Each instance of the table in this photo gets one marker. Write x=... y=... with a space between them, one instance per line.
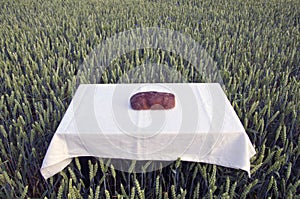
x=99 y=122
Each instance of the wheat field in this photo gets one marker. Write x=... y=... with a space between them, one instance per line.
x=255 y=45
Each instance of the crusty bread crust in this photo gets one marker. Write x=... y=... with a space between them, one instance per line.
x=152 y=100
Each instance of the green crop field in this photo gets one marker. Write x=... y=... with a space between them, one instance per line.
x=254 y=44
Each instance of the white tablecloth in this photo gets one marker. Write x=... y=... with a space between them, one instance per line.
x=99 y=121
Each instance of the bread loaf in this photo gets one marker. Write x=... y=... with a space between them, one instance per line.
x=152 y=100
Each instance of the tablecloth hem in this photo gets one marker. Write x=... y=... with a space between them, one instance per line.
x=222 y=163
x=51 y=170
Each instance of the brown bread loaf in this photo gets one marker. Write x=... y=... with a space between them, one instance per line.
x=152 y=100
